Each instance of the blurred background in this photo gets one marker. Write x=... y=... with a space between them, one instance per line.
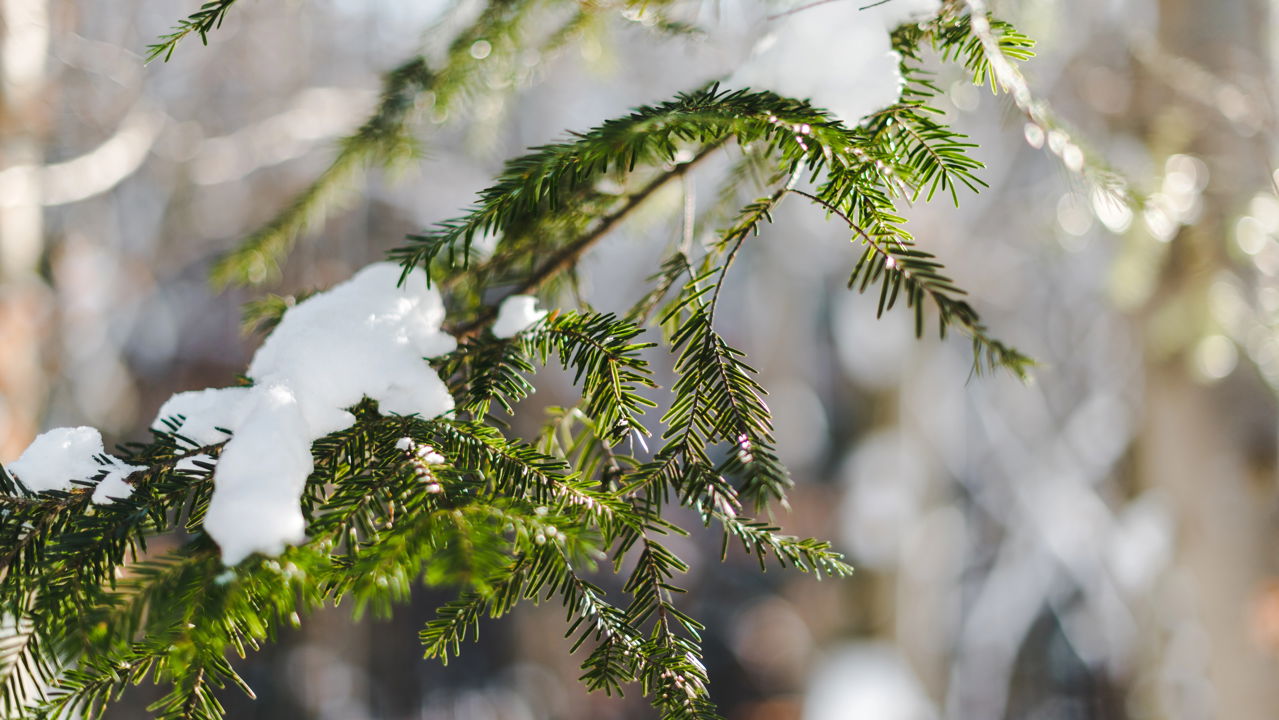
x=1099 y=543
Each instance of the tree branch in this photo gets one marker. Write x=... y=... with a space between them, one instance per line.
x=568 y=256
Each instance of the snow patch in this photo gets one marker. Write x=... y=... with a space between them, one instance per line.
x=517 y=314
x=208 y=413
x=61 y=457
x=837 y=54
x=58 y=457
x=363 y=338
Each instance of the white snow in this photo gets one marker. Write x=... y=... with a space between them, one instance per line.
x=57 y=459
x=205 y=411
x=363 y=338
x=260 y=477
x=837 y=54
x=517 y=314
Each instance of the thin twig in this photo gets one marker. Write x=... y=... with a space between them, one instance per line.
x=775 y=200
x=844 y=216
x=723 y=276
x=188 y=708
x=570 y=254
x=690 y=220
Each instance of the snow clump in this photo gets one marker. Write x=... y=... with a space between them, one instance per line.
x=836 y=54
x=363 y=338
x=517 y=314
x=61 y=457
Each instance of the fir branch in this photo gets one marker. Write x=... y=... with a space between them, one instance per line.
x=716 y=399
x=192 y=696
x=991 y=50
x=467 y=545
x=454 y=620
x=369 y=495
x=502 y=520
x=85 y=691
x=568 y=256
x=487 y=370
x=236 y=613
x=672 y=673
x=617 y=655
x=607 y=365
x=154 y=596
x=443 y=636
x=762 y=539
x=891 y=259
x=650 y=136
x=8 y=486
x=933 y=155
x=965 y=32
x=201 y=22
x=25 y=668
x=514 y=469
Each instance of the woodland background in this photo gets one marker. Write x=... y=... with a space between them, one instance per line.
x=1099 y=544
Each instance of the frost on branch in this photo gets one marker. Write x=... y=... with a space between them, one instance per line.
x=62 y=457
x=363 y=338
x=836 y=54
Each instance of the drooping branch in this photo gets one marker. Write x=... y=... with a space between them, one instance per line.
x=201 y=23
x=897 y=266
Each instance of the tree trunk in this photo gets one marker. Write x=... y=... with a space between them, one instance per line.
x=1193 y=446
